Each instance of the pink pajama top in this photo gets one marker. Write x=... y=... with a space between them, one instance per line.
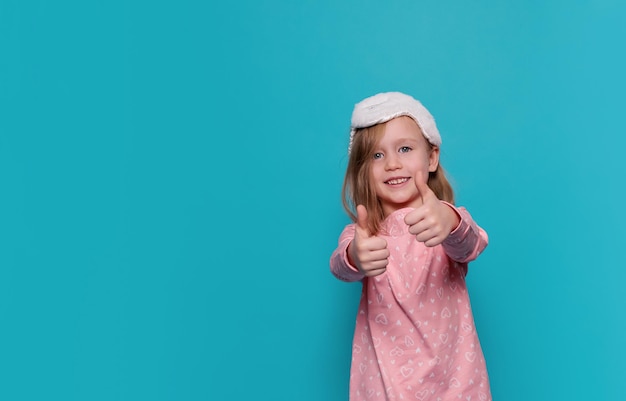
x=415 y=337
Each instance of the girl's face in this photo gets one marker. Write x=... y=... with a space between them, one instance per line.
x=401 y=156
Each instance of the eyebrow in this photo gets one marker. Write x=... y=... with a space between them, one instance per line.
x=400 y=140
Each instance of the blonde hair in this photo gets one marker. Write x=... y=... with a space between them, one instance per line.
x=357 y=188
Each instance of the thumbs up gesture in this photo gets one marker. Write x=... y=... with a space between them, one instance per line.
x=433 y=221
x=367 y=252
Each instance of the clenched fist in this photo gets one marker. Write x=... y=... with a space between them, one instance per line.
x=433 y=221
x=367 y=252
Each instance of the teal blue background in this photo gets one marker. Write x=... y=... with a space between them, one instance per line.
x=171 y=176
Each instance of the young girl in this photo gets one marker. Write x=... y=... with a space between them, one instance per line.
x=415 y=337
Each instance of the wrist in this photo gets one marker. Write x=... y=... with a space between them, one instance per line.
x=349 y=254
x=454 y=217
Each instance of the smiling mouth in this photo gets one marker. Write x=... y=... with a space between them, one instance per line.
x=396 y=181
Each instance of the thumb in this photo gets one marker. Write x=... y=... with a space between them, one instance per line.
x=361 y=220
x=421 y=183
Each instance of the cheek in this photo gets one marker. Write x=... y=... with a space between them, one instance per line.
x=374 y=171
x=424 y=160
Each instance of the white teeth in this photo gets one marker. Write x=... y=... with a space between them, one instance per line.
x=397 y=181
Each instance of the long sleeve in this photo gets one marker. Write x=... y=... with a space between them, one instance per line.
x=339 y=265
x=467 y=241
x=415 y=335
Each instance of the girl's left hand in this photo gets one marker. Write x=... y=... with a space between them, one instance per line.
x=433 y=221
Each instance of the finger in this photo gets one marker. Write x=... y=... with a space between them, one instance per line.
x=419 y=227
x=433 y=242
x=375 y=270
x=375 y=264
x=374 y=273
x=414 y=217
x=421 y=183
x=425 y=236
x=435 y=239
x=361 y=219
x=379 y=255
x=377 y=244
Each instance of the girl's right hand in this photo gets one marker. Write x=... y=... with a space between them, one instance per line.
x=367 y=252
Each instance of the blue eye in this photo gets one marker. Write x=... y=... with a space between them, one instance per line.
x=378 y=155
x=404 y=149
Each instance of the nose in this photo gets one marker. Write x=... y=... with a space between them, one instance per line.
x=392 y=162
